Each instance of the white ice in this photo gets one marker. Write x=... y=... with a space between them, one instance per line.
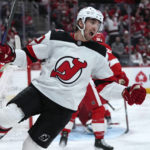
x=138 y=137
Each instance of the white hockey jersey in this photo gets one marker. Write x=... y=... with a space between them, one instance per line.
x=67 y=68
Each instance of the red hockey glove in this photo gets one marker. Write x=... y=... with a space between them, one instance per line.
x=122 y=79
x=7 y=54
x=134 y=94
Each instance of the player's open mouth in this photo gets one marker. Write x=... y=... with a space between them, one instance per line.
x=91 y=33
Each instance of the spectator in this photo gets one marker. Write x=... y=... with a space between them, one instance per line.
x=141 y=46
x=129 y=50
x=136 y=31
x=29 y=25
x=145 y=62
x=118 y=47
x=112 y=26
x=147 y=38
x=145 y=12
x=142 y=23
x=125 y=38
x=63 y=14
x=124 y=22
x=5 y=12
x=136 y=58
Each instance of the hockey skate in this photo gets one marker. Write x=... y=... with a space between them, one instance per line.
x=3 y=131
x=101 y=145
x=63 y=139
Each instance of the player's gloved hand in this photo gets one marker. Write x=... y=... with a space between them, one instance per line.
x=135 y=94
x=7 y=53
x=123 y=79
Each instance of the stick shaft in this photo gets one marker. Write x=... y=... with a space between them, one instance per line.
x=126 y=115
x=4 y=37
x=111 y=106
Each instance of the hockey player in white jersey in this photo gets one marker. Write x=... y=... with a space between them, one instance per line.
x=68 y=64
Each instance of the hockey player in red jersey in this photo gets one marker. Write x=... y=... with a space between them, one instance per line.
x=68 y=65
x=90 y=108
x=93 y=106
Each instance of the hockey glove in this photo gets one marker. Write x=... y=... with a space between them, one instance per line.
x=135 y=94
x=7 y=53
x=122 y=79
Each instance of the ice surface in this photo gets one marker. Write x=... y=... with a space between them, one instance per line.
x=138 y=137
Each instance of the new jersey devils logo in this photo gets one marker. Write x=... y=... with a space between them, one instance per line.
x=68 y=69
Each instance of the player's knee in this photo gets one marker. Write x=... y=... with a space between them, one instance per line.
x=30 y=144
x=10 y=115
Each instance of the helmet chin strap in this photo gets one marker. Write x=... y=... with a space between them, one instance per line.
x=82 y=30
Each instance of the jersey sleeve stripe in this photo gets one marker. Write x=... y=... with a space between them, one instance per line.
x=113 y=62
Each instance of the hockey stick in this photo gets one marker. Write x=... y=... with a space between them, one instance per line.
x=126 y=115
x=4 y=37
x=111 y=106
x=114 y=109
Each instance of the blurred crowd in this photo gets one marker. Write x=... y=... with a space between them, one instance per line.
x=126 y=27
